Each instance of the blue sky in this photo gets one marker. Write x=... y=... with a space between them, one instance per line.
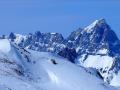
x=62 y=16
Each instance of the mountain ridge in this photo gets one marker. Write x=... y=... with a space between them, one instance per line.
x=96 y=42
x=25 y=69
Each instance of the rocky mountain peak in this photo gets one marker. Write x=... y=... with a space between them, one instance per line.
x=101 y=23
x=94 y=37
x=90 y=40
x=95 y=46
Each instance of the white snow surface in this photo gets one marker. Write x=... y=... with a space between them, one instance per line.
x=97 y=61
x=42 y=71
x=19 y=38
x=102 y=51
x=89 y=28
x=4 y=46
x=116 y=80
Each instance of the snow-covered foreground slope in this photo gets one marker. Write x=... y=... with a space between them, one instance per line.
x=22 y=69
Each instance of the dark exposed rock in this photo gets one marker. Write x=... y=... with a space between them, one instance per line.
x=68 y=53
x=12 y=36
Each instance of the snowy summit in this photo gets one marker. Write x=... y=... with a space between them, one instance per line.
x=86 y=60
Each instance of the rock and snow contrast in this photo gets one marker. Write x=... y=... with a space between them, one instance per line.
x=89 y=59
x=22 y=69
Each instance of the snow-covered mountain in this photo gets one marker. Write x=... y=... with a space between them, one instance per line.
x=95 y=46
x=98 y=47
x=46 y=42
x=24 y=69
x=49 y=42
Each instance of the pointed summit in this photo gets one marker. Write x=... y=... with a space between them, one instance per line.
x=102 y=23
x=97 y=23
x=101 y=20
x=94 y=37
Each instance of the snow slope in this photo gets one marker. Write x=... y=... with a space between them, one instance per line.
x=4 y=46
x=116 y=80
x=103 y=64
x=22 y=69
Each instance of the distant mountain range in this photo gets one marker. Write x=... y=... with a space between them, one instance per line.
x=95 y=46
